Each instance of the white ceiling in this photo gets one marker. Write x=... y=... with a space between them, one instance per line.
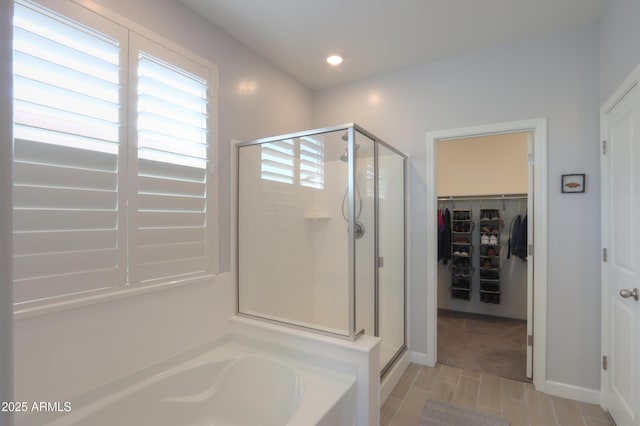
x=375 y=36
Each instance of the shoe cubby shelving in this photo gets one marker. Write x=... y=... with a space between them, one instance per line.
x=489 y=253
x=461 y=252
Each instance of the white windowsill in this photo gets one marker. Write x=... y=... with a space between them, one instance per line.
x=44 y=307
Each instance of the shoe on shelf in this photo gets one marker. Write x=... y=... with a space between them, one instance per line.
x=493 y=240
x=484 y=240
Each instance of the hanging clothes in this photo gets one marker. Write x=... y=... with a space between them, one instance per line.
x=440 y=233
x=514 y=234
x=521 y=250
x=518 y=238
x=444 y=236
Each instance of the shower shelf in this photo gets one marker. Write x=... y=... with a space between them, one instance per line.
x=316 y=217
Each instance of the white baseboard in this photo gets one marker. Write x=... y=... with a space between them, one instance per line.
x=422 y=359
x=578 y=393
x=563 y=390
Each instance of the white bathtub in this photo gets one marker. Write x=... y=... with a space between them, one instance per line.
x=231 y=385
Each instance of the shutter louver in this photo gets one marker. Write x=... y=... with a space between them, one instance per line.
x=171 y=236
x=312 y=162
x=294 y=161
x=67 y=208
x=277 y=161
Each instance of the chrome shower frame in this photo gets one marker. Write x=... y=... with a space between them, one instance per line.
x=351 y=129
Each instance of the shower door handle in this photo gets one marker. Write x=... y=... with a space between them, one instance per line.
x=380 y=262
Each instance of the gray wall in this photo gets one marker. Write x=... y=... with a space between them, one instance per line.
x=553 y=76
x=619 y=41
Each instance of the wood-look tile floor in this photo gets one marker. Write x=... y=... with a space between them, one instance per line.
x=516 y=401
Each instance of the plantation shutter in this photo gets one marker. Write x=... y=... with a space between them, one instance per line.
x=312 y=162
x=68 y=213
x=277 y=161
x=170 y=212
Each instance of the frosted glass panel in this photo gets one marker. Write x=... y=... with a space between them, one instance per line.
x=293 y=236
x=321 y=234
x=391 y=279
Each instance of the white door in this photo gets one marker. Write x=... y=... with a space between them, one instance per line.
x=621 y=262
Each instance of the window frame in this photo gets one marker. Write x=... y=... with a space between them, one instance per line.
x=91 y=15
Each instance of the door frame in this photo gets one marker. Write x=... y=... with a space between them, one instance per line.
x=629 y=83
x=537 y=294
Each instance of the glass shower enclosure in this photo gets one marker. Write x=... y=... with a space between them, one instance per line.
x=321 y=234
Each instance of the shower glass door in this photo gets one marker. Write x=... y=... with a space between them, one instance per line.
x=391 y=254
x=293 y=258
x=321 y=234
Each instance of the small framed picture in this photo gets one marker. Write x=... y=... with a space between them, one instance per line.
x=573 y=183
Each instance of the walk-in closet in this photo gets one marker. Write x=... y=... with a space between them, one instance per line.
x=483 y=272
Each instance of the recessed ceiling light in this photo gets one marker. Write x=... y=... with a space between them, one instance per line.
x=334 y=59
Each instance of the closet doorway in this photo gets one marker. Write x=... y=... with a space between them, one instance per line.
x=481 y=269
x=483 y=253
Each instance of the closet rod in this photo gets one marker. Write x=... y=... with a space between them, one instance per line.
x=484 y=197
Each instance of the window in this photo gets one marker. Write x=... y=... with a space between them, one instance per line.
x=170 y=226
x=311 y=162
x=277 y=161
x=112 y=175
x=291 y=161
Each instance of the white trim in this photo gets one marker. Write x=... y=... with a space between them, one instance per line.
x=6 y=209
x=604 y=238
x=577 y=393
x=422 y=359
x=539 y=128
x=48 y=306
x=632 y=80
x=531 y=262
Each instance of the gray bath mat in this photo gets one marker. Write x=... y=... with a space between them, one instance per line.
x=439 y=413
